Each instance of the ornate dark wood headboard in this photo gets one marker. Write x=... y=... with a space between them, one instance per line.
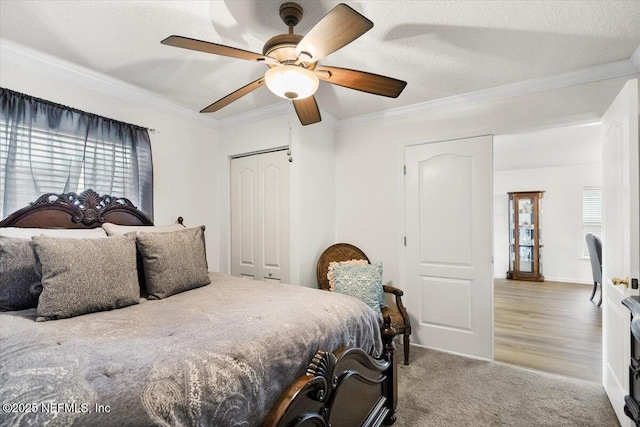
x=70 y=210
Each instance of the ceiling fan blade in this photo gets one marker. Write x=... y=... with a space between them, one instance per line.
x=217 y=49
x=361 y=80
x=338 y=28
x=233 y=96
x=307 y=110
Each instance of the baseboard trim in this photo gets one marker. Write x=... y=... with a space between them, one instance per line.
x=557 y=279
x=568 y=280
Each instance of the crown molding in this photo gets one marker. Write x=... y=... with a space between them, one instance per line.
x=635 y=58
x=72 y=73
x=586 y=75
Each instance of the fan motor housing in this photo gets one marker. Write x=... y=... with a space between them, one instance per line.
x=282 y=47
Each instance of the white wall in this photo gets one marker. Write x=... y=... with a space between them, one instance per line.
x=369 y=180
x=311 y=186
x=560 y=161
x=317 y=198
x=185 y=154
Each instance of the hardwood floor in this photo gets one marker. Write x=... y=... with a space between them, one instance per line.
x=549 y=326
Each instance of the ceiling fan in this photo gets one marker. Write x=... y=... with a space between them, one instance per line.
x=294 y=72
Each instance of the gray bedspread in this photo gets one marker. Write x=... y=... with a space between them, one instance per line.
x=220 y=355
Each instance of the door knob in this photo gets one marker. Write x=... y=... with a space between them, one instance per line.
x=618 y=281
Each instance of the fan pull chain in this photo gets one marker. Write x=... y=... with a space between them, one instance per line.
x=289 y=124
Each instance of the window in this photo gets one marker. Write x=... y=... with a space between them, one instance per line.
x=49 y=148
x=591 y=214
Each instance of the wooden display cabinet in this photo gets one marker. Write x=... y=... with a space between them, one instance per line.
x=525 y=237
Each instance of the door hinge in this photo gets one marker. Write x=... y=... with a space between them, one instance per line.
x=404 y=168
x=405 y=240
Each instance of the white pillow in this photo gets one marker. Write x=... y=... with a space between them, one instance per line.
x=71 y=233
x=121 y=230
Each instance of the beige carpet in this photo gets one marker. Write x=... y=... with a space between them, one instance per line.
x=441 y=389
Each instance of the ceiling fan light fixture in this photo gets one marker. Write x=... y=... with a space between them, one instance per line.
x=292 y=59
x=291 y=81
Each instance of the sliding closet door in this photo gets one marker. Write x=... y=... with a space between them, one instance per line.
x=260 y=216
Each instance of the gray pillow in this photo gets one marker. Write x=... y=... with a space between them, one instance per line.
x=131 y=230
x=173 y=262
x=85 y=275
x=19 y=274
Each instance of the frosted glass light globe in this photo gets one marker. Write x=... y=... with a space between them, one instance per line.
x=291 y=81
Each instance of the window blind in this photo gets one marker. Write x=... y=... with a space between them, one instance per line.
x=591 y=215
x=48 y=148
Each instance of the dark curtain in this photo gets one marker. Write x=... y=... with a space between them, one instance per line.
x=50 y=148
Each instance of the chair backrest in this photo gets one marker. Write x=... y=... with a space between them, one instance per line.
x=338 y=252
x=594 y=245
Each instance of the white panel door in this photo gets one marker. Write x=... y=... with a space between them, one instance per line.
x=244 y=189
x=621 y=239
x=260 y=217
x=449 y=272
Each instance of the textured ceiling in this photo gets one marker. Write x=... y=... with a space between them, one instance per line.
x=441 y=49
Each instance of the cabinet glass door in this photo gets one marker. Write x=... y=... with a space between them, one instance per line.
x=526 y=234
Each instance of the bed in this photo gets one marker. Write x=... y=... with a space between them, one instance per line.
x=234 y=352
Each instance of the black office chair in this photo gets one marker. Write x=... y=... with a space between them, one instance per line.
x=594 y=245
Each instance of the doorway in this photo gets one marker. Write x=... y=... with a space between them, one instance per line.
x=550 y=325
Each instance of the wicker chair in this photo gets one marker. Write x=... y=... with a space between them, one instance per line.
x=399 y=316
